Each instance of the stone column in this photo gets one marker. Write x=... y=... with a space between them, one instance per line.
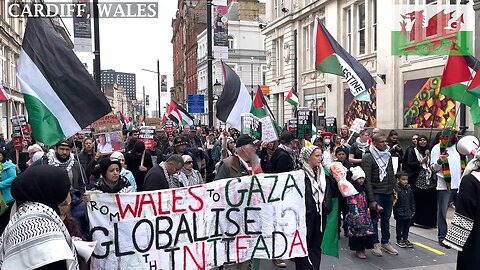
x=476 y=8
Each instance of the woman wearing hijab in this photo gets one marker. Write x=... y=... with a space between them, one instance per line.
x=36 y=237
x=188 y=176
x=417 y=168
x=111 y=181
x=317 y=204
x=124 y=172
x=8 y=173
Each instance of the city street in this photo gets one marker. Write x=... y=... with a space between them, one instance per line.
x=426 y=255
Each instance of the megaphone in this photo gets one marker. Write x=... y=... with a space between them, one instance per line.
x=468 y=145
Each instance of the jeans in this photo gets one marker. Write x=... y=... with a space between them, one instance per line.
x=402 y=228
x=386 y=201
x=443 y=200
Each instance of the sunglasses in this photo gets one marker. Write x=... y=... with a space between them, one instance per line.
x=188 y=162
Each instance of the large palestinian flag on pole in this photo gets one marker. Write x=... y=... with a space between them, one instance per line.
x=183 y=117
x=60 y=95
x=331 y=58
x=234 y=100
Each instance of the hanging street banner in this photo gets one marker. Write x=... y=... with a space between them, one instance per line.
x=304 y=123
x=251 y=125
x=82 y=28
x=200 y=227
x=220 y=31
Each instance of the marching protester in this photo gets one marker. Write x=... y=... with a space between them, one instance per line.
x=36 y=237
x=284 y=158
x=188 y=176
x=408 y=150
x=87 y=153
x=266 y=155
x=380 y=182
x=32 y=149
x=139 y=162
x=124 y=171
x=348 y=138
x=358 y=219
x=161 y=176
x=111 y=181
x=328 y=148
x=8 y=174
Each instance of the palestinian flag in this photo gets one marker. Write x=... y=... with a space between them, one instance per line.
x=331 y=58
x=142 y=121
x=60 y=95
x=3 y=94
x=185 y=117
x=174 y=114
x=261 y=109
x=126 y=122
x=291 y=98
x=474 y=87
x=234 y=100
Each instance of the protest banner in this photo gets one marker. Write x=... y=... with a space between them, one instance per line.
x=304 y=123
x=200 y=227
x=251 y=125
x=268 y=130
x=358 y=125
x=147 y=136
x=292 y=125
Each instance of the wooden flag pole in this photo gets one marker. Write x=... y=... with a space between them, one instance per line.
x=143 y=158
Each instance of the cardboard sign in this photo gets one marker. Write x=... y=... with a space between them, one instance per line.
x=358 y=125
x=304 y=123
x=200 y=227
x=268 y=130
x=292 y=125
x=109 y=142
x=107 y=123
x=147 y=136
x=251 y=125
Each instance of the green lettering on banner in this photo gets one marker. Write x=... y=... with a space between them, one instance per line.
x=258 y=190
x=227 y=192
x=287 y=186
x=270 y=199
x=264 y=246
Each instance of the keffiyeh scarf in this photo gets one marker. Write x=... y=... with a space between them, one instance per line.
x=290 y=153
x=362 y=146
x=53 y=160
x=381 y=158
x=316 y=176
x=37 y=230
x=425 y=166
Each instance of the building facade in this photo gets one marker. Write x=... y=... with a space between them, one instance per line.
x=126 y=80
x=190 y=20
x=246 y=51
x=353 y=23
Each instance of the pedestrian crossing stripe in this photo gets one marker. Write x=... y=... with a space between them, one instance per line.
x=436 y=251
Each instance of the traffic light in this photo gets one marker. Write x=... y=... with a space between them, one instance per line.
x=147 y=100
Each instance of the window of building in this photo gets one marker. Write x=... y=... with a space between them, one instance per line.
x=374 y=25
x=231 y=42
x=361 y=28
x=348 y=22
x=279 y=56
x=307 y=41
x=2 y=61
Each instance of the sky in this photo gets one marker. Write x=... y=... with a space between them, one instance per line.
x=130 y=45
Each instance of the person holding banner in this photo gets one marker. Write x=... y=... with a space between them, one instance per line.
x=139 y=162
x=187 y=175
x=36 y=237
x=110 y=180
x=161 y=176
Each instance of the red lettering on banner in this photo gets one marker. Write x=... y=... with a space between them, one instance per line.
x=175 y=199
x=198 y=266
x=128 y=207
x=197 y=198
x=147 y=201
x=300 y=243
x=160 y=207
x=238 y=247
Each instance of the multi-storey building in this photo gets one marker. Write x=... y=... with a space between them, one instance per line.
x=353 y=23
x=127 y=80
x=246 y=50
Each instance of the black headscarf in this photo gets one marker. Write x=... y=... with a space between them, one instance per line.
x=105 y=163
x=44 y=184
x=422 y=149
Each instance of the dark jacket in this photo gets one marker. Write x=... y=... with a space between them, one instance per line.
x=133 y=161
x=330 y=192
x=103 y=187
x=411 y=165
x=372 y=178
x=281 y=162
x=155 y=179
x=265 y=161
x=231 y=167
x=404 y=208
x=85 y=158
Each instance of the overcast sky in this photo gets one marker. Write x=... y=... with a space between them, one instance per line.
x=128 y=45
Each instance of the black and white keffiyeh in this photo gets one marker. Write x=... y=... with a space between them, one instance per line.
x=67 y=165
x=381 y=158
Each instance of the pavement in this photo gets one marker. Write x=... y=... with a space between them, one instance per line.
x=426 y=254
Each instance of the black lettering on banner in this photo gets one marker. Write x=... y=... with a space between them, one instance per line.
x=270 y=196
x=261 y=240
x=227 y=248
x=231 y=220
x=195 y=230
x=153 y=265
x=217 y=221
x=113 y=216
x=104 y=210
x=145 y=256
x=183 y=223
x=93 y=205
x=172 y=255
x=214 y=240
x=105 y=244
x=247 y=221
x=116 y=237
x=165 y=231
x=134 y=235
x=274 y=244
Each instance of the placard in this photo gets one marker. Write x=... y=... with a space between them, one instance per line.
x=251 y=125
x=292 y=125
x=358 y=125
x=107 y=123
x=169 y=126
x=268 y=130
x=304 y=123
x=331 y=124
x=200 y=227
x=109 y=142
x=147 y=136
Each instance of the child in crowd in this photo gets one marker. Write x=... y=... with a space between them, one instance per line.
x=403 y=209
x=358 y=220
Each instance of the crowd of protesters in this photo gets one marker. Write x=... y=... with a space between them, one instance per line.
x=416 y=182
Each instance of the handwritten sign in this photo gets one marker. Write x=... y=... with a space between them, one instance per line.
x=107 y=123
x=304 y=123
x=251 y=125
x=147 y=136
x=268 y=130
x=358 y=125
x=201 y=227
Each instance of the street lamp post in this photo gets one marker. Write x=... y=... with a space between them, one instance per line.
x=158 y=82
x=209 y=63
x=251 y=75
